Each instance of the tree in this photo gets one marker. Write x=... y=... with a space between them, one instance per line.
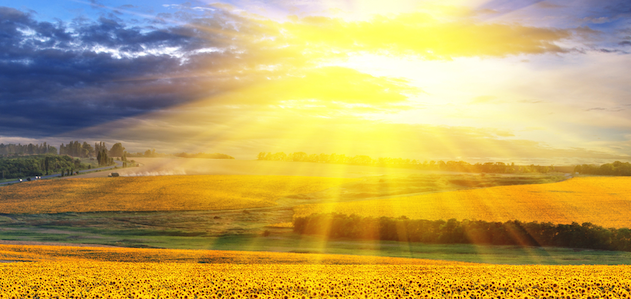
x=88 y=150
x=102 y=158
x=117 y=150
x=46 y=164
x=52 y=150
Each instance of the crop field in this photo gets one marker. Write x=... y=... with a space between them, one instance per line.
x=43 y=253
x=162 y=193
x=420 y=183
x=197 y=166
x=225 y=192
x=602 y=201
x=94 y=273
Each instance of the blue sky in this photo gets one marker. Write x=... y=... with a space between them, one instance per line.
x=68 y=10
x=495 y=80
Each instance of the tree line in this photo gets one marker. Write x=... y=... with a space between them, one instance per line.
x=18 y=160
x=27 y=149
x=85 y=150
x=73 y=149
x=204 y=156
x=151 y=153
x=512 y=232
x=458 y=166
x=18 y=167
x=615 y=168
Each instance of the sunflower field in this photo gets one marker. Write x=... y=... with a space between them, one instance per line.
x=320 y=277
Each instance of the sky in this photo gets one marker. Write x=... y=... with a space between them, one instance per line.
x=541 y=82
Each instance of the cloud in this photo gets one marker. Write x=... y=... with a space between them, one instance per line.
x=71 y=75
x=549 y=5
x=599 y=20
x=195 y=76
x=61 y=76
x=614 y=109
x=421 y=34
x=326 y=85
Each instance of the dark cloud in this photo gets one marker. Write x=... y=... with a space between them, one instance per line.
x=590 y=9
x=56 y=77
x=609 y=50
x=60 y=77
x=614 y=8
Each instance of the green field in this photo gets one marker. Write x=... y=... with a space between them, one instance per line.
x=248 y=230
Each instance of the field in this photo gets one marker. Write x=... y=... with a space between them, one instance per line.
x=253 y=212
x=196 y=166
x=22 y=253
x=233 y=212
x=163 y=193
x=142 y=273
x=143 y=191
x=602 y=201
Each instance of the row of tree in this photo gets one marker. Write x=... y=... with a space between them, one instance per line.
x=85 y=150
x=452 y=231
x=204 y=156
x=103 y=159
x=73 y=149
x=19 y=167
x=26 y=149
x=459 y=166
x=615 y=168
x=77 y=149
x=151 y=153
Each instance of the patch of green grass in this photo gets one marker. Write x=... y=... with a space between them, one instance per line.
x=461 y=252
x=289 y=242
